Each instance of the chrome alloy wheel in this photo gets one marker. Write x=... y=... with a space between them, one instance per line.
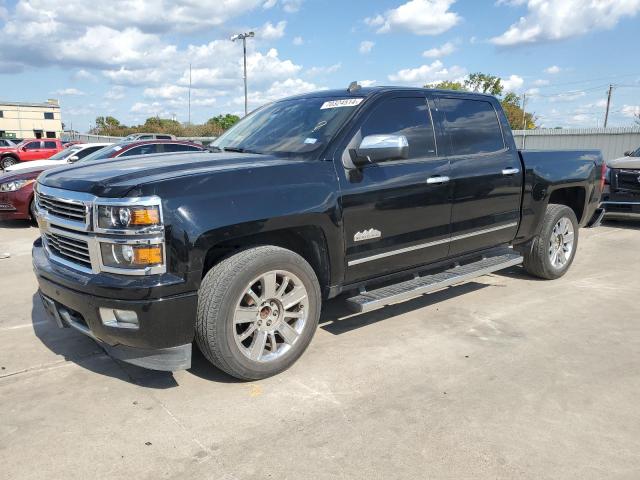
x=561 y=243
x=270 y=315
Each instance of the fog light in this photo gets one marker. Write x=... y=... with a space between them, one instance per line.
x=112 y=317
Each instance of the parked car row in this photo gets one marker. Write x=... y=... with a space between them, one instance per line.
x=16 y=184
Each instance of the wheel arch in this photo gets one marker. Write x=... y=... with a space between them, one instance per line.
x=573 y=197
x=308 y=241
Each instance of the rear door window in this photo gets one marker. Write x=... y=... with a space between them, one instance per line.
x=472 y=126
x=140 y=150
x=404 y=116
x=49 y=145
x=177 y=147
x=87 y=151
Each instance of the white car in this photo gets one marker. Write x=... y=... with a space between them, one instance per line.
x=68 y=155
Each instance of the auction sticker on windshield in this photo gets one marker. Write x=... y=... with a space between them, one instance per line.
x=346 y=102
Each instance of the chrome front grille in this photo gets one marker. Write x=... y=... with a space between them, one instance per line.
x=72 y=249
x=72 y=210
x=628 y=180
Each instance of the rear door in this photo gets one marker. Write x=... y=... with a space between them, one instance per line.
x=485 y=174
x=49 y=148
x=396 y=216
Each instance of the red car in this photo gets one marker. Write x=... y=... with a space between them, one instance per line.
x=16 y=188
x=31 y=149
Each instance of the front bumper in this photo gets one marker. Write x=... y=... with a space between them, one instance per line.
x=165 y=330
x=15 y=205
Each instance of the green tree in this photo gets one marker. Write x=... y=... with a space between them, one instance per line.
x=484 y=83
x=447 y=85
x=224 y=121
x=513 y=111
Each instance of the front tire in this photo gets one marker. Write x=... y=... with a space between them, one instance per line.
x=553 y=250
x=8 y=161
x=257 y=312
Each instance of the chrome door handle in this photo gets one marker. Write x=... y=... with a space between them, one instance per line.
x=510 y=171
x=437 y=180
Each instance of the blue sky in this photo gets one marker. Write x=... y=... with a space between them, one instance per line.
x=130 y=59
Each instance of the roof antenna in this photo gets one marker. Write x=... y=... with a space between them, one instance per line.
x=353 y=87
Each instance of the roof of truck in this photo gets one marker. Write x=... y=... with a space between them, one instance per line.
x=368 y=91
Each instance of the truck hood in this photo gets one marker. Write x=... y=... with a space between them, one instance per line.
x=116 y=177
x=632 y=163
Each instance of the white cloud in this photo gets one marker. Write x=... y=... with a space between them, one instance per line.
x=422 y=17
x=441 y=51
x=435 y=72
x=83 y=74
x=513 y=83
x=269 y=4
x=150 y=16
x=278 y=90
x=314 y=71
x=553 y=69
x=630 y=110
x=291 y=6
x=367 y=83
x=298 y=41
x=116 y=92
x=69 y=92
x=165 y=91
x=272 y=32
x=366 y=46
x=549 y=20
x=541 y=82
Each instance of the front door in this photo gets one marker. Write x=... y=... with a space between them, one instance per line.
x=396 y=213
x=32 y=151
x=486 y=176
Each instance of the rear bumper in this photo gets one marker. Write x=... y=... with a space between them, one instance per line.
x=165 y=330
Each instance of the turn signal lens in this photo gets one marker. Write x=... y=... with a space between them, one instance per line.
x=146 y=216
x=148 y=255
x=128 y=256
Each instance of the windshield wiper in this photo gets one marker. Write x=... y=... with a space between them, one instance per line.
x=240 y=150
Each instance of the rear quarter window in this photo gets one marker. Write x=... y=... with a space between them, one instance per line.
x=472 y=126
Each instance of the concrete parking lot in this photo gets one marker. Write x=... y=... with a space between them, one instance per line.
x=505 y=377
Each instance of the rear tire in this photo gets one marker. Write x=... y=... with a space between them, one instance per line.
x=552 y=252
x=257 y=312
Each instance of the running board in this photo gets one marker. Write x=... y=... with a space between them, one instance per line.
x=400 y=292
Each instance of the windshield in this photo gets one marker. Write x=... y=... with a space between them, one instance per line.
x=63 y=154
x=636 y=153
x=297 y=126
x=102 y=153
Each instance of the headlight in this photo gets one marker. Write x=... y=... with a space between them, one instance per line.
x=130 y=257
x=15 y=185
x=128 y=217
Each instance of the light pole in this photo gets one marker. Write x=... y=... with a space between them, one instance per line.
x=243 y=37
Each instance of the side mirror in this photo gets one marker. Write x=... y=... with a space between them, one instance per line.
x=24 y=149
x=73 y=159
x=628 y=153
x=379 y=148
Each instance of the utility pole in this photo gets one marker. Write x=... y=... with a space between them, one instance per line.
x=524 y=119
x=189 y=121
x=606 y=113
x=243 y=37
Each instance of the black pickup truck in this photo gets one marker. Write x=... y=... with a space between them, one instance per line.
x=383 y=193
